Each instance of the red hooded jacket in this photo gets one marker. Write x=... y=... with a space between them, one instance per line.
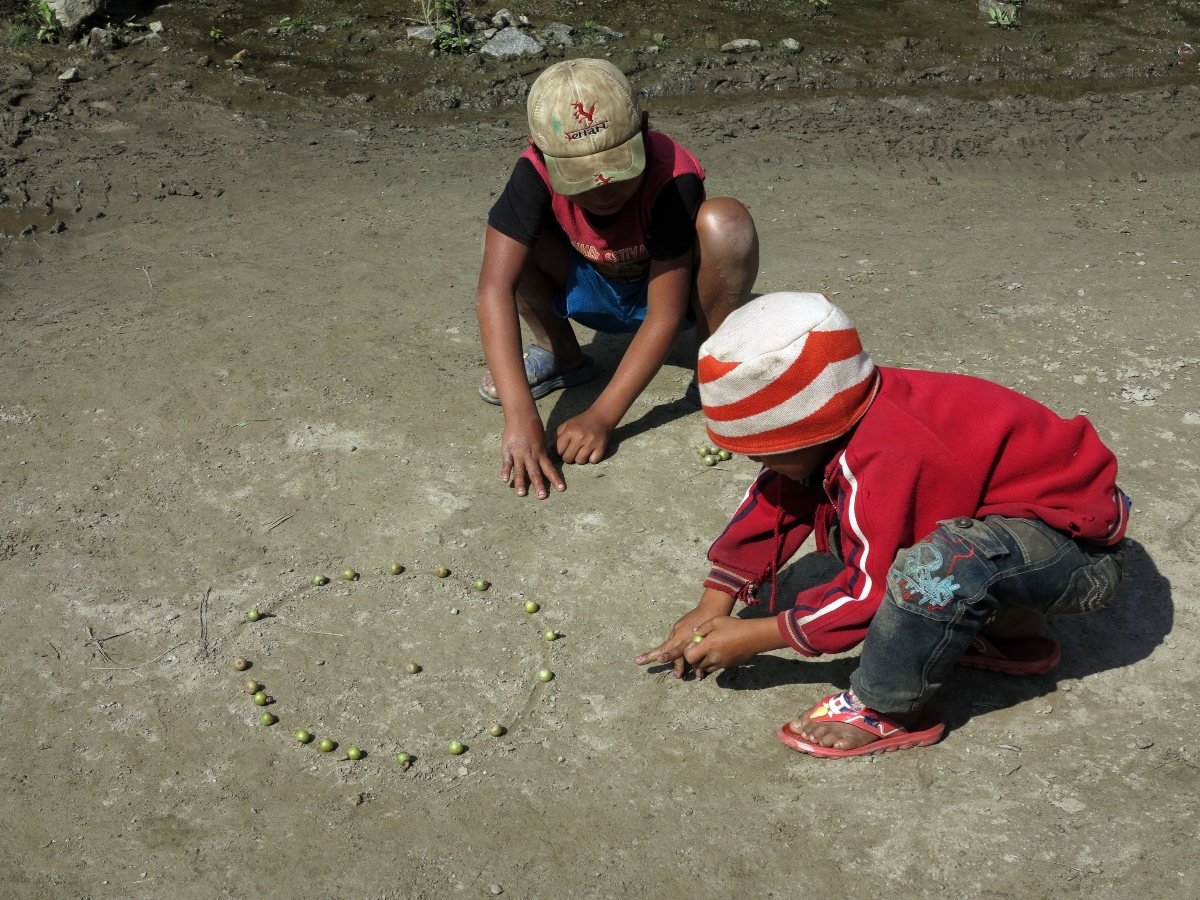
x=932 y=446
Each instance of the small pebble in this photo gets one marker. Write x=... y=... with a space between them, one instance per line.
x=1143 y=743
x=454 y=611
x=496 y=889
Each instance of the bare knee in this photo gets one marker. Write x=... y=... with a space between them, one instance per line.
x=724 y=226
x=727 y=256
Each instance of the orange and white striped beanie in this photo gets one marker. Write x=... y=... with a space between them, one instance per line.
x=785 y=371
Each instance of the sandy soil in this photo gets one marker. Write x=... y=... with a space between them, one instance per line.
x=251 y=357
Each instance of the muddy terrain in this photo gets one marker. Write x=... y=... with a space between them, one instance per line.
x=238 y=349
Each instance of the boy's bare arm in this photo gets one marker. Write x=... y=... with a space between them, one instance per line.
x=523 y=447
x=583 y=439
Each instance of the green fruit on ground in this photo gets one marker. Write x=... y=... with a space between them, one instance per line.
x=455 y=748
x=531 y=606
x=441 y=572
x=252 y=615
x=319 y=580
x=349 y=574
x=403 y=758
x=251 y=686
x=303 y=736
x=725 y=455
x=395 y=568
x=267 y=719
x=241 y=664
x=481 y=585
x=412 y=668
x=326 y=745
x=260 y=698
x=545 y=675
x=496 y=730
x=549 y=635
x=354 y=753
x=710 y=460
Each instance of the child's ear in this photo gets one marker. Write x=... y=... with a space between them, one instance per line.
x=529 y=140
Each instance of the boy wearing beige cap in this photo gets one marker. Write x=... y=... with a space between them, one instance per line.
x=605 y=222
x=964 y=514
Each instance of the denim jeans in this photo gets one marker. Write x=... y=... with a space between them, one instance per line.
x=941 y=591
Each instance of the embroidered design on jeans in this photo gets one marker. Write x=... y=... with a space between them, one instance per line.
x=918 y=581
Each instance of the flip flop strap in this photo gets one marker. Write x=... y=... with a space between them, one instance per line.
x=984 y=647
x=542 y=365
x=847 y=709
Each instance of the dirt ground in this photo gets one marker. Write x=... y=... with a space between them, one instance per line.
x=250 y=356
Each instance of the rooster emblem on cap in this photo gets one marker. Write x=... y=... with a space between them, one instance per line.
x=583 y=116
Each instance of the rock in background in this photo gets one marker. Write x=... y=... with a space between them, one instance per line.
x=72 y=14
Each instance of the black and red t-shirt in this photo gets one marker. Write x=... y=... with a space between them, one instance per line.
x=659 y=222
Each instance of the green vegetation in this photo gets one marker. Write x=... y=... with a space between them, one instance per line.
x=289 y=25
x=1003 y=17
x=451 y=36
x=37 y=22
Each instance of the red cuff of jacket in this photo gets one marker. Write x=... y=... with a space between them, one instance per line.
x=791 y=633
x=733 y=583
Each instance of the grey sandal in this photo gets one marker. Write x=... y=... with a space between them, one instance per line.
x=546 y=373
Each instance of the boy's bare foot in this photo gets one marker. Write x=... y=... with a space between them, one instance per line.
x=839 y=735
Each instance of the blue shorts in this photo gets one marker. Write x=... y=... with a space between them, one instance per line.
x=599 y=303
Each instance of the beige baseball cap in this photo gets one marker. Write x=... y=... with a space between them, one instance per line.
x=585 y=119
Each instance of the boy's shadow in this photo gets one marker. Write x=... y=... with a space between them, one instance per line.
x=1119 y=636
x=607 y=350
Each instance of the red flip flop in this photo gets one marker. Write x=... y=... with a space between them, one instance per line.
x=847 y=708
x=1015 y=656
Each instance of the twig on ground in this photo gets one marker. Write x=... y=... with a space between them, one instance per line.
x=267 y=526
x=139 y=665
x=204 y=621
x=1010 y=771
x=57 y=655
x=146 y=269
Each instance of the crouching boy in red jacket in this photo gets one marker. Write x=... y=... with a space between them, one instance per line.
x=965 y=513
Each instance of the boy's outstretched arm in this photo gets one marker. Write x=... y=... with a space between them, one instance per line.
x=584 y=438
x=523 y=447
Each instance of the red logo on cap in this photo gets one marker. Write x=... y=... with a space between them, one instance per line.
x=600 y=179
x=583 y=116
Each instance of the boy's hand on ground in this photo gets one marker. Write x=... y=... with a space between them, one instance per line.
x=526 y=461
x=728 y=642
x=582 y=439
x=712 y=604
